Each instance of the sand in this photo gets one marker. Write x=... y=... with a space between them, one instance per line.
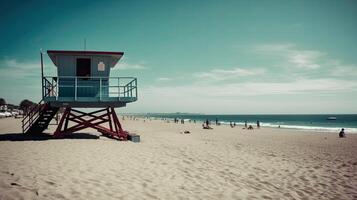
x=223 y=163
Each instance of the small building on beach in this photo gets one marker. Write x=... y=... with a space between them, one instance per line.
x=83 y=81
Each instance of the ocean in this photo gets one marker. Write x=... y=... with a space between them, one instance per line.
x=301 y=122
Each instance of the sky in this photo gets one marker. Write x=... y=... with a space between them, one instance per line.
x=214 y=57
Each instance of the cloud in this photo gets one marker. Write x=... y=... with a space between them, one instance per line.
x=11 y=63
x=290 y=78
x=20 y=79
x=302 y=63
x=125 y=65
x=225 y=74
x=273 y=48
x=343 y=71
x=164 y=79
x=10 y=67
x=305 y=59
x=234 y=90
x=299 y=96
x=292 y=56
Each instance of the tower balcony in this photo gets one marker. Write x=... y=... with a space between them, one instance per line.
x=90 y=92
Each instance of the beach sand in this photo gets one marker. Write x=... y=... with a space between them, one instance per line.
x=223 y=163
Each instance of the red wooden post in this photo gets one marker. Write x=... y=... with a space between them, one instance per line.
x=109 y=119
x=58 y=132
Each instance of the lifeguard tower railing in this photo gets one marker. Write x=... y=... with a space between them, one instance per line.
x=89 y=89
x=80 y=89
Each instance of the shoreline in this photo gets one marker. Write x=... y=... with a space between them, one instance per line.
x=313 y=129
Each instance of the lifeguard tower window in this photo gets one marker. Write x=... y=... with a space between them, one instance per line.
x=83 y=67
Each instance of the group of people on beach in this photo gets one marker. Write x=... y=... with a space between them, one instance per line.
x=176 y=120
x=206 y=124
x=232 y=125
x=250 y=127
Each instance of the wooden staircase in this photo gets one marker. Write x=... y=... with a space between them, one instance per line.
x=40 y=116
x=38 y=119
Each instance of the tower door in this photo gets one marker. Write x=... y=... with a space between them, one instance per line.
x=85 y=85
x=83 y=67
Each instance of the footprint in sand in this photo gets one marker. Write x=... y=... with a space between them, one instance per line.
x=50 y=182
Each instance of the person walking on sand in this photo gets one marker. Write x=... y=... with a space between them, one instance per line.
x=342 y=133
x=258 y=124
x=245 y=124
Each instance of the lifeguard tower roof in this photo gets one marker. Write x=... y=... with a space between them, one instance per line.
x=53 y=54
x=83 y=80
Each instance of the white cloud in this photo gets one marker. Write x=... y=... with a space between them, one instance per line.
x=225 y=74
x=164 y=79
x=253 y=97
x=14 y=68
x=303 y=86
x=125 y=65
x=273 y=48
x=15 y=64
x=296 y=60
x=343 y=71
x=20 y=79
x=305 y=59
x=291 y=55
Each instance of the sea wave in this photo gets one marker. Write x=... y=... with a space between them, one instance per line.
x=297 y=127
x=311 y=128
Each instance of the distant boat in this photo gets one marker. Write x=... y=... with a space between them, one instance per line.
x=331 y=118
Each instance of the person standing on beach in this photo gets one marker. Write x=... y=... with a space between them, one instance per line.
x=258 y=124
x=216 y=121
x=245 y=124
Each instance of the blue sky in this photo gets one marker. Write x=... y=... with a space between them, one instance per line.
x=236 y=57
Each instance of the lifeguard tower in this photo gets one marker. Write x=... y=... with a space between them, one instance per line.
x=83 y=81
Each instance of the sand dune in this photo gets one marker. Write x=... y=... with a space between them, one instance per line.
x=223 y=163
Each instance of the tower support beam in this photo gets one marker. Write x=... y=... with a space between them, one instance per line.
x=96 y=120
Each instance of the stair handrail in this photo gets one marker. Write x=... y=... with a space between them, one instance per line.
x=30 y=117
